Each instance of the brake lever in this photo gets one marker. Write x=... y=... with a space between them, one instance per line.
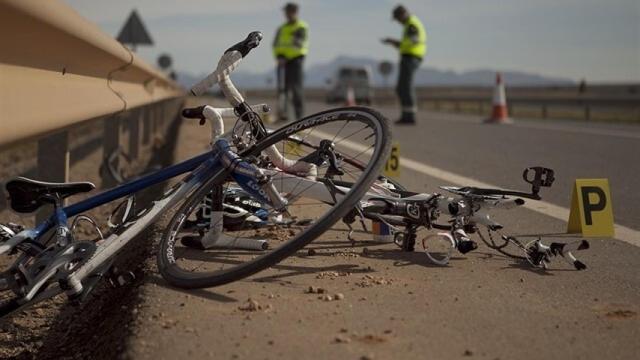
x=195 y=113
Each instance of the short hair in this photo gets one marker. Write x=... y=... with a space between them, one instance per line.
x=399 y=10
x=292 y=7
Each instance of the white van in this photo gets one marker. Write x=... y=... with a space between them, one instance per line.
x=358 y=77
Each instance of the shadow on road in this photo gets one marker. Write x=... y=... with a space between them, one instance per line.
x=203 y=293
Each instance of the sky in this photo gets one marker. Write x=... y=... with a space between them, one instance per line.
x=598 y=40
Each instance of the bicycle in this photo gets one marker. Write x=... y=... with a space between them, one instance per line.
x=49 y=260
x=406 y=212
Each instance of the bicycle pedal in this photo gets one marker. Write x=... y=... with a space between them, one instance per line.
x=467 y=246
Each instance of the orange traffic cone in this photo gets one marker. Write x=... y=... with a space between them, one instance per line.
x=499 y=115
x=350 y=98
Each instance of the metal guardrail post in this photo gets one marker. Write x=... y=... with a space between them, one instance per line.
x=147 y=116
x=157 y=124
x=53 y=164
x=110 y=145
x=134 y=133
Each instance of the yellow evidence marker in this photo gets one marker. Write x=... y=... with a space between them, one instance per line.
x=392 y=167
x=591 y=210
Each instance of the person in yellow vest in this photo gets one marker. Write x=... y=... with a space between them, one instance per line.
x=412 y=48
x=290 y=46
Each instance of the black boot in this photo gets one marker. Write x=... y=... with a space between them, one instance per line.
x=407 y=118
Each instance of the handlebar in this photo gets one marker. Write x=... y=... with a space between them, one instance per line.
x=251 y=42
x=228 y=62
x=204 y=112
x=216 y=115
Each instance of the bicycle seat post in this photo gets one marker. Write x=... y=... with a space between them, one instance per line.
x=62 y=231
x=53 y=199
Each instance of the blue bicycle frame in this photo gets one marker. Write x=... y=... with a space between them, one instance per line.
x=203 y=167
x=209 y=168
x=59 y=218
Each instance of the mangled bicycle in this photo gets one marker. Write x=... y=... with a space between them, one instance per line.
x=398 y=215
x=248 y=165
x=467 y=212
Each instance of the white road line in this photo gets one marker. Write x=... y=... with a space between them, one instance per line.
x=623 y=233
x=631 y=133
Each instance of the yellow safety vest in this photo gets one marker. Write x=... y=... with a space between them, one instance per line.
x=407 y=46
x=284 y=45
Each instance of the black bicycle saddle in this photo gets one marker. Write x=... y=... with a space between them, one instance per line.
x=27 y=195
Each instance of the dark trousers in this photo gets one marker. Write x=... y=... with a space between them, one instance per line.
x=405 y=90
x=293 y=87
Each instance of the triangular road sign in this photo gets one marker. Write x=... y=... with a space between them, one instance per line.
x=133 y=32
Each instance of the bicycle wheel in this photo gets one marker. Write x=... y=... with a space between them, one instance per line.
x=318 y=197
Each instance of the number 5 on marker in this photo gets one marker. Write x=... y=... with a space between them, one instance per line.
x=392 y=167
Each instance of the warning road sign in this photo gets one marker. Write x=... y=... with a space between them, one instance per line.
x=134 y=32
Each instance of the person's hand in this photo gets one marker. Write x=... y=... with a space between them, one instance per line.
x=389 y=41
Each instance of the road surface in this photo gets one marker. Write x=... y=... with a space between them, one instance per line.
x=397 y=305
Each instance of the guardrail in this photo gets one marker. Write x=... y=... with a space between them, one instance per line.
x=58 y=69
x=606 y=102
x=581 y=107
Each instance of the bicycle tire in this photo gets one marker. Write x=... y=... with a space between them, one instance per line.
x=180 y=278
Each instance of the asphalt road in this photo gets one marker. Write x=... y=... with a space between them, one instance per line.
x=494 y=154
x=397 y=305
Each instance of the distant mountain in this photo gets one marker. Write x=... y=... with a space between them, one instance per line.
x=316 y=76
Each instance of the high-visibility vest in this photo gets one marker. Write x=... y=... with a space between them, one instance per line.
x=284 y=45
x=407 y=46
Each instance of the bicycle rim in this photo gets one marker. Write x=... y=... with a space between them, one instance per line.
x=315 y=203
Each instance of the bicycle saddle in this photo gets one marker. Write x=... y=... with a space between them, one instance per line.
x=28 y=195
